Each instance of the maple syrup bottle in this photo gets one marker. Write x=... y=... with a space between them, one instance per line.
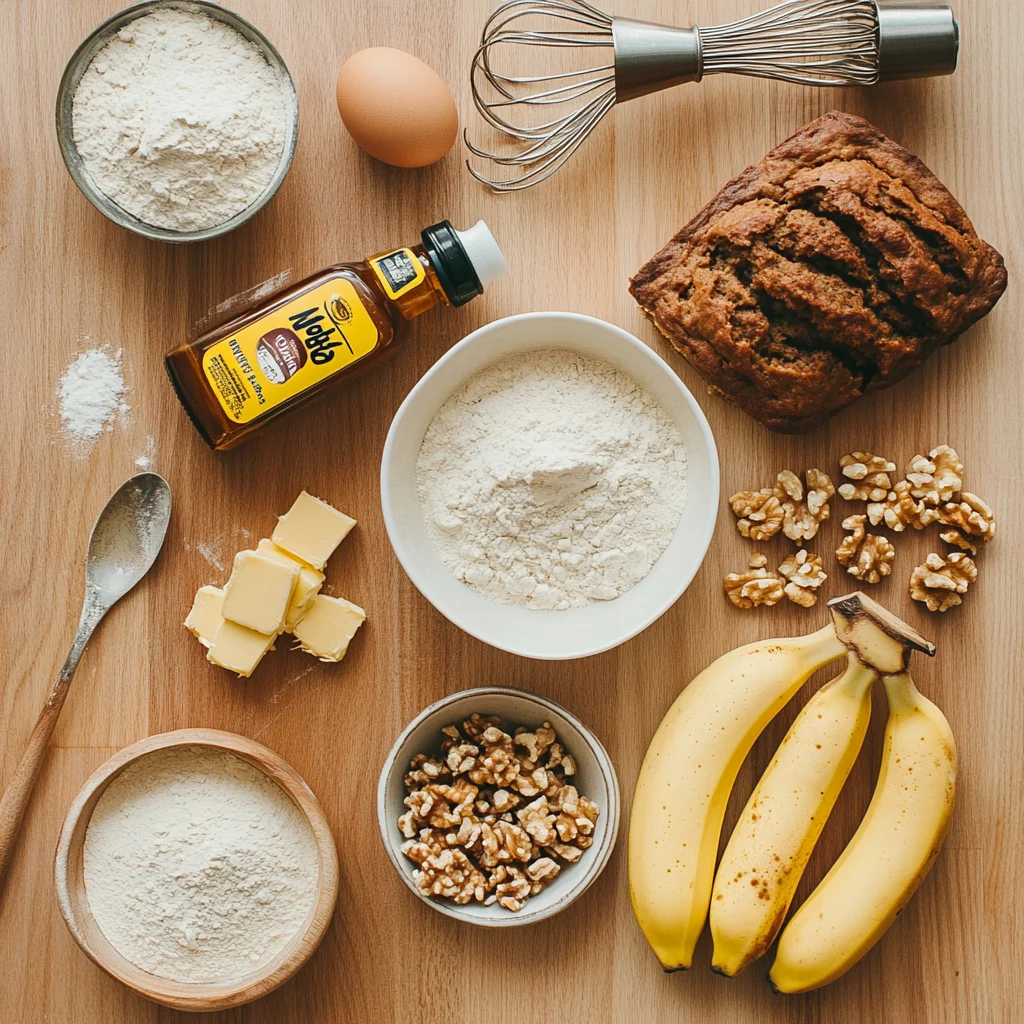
x=234 y=379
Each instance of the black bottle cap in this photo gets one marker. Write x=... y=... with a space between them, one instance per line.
x=451 y=263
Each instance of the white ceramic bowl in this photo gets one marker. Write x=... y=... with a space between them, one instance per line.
x=595 y=778
x=534 y=633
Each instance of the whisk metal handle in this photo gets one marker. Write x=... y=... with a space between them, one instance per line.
x=916 y=39
x=649 y=58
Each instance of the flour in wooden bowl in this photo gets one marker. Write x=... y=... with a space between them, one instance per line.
x=198 y=868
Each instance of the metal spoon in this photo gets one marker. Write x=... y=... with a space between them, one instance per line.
x=125 y=540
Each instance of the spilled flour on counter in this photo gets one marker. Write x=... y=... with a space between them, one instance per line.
x=197 y=867
x=551 y=480
x=92 y=394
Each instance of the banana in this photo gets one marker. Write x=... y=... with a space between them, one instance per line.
x=688 y=773
x=781 y=823
x=889 y=855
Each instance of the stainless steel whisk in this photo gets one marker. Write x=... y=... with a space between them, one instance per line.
x=808 y=42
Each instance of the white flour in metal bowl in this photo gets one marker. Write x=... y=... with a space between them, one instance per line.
x=550 y=480
x=198 y=868
x=180 y=120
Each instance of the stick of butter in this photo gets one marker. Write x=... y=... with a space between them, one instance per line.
x=259 y=591
x=307 y=586
x=204 y=618
x=311 y=530
x=239 y=649
x=328 y=627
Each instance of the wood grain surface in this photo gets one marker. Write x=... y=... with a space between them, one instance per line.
x=69 y=279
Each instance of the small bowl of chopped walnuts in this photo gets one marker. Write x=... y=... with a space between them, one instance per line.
x=498 y=807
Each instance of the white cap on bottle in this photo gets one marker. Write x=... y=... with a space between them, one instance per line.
x=487 y=258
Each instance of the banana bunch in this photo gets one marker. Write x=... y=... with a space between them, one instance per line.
x=688 y=774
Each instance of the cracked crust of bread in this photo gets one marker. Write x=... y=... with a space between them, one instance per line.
x=832 y=268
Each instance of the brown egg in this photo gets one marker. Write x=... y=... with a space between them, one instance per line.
x=396 y=108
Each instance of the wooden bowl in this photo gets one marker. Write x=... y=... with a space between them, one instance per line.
x=74 y=905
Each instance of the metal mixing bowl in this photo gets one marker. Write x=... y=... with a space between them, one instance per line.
x=76 y=67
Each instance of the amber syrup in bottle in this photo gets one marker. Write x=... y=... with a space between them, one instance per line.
x=236 y=378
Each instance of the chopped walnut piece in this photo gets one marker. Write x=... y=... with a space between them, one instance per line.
x=939 y=582
x=971 y=515
x=803 y=515
x=959 y=540
x=443 y=871
x=804 y=573
x=900 y=510
x=466 y=827
x=936 y=478
x=754 y=587
x=760 y=513
x=541 y=868
x=867 y=556
x=871 y=476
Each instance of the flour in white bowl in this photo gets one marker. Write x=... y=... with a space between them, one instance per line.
x=550 y=480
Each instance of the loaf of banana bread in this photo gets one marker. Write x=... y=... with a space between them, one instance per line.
x=831 y=268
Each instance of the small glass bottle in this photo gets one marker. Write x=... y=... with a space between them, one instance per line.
x=325 y=330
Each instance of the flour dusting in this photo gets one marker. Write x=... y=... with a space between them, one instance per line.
x=92 y=394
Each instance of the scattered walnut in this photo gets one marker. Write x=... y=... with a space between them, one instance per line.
x=971 y=515
x=804 y=573
x=867 y=556
x=760 y=513
x=900 y=510
x=937 y=478
x=940 y=582
x=959 y=540
x=802 y=516
x=754 y=587
x=871 y=473
x=467 y=828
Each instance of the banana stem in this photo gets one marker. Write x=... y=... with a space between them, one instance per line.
x=825 y=645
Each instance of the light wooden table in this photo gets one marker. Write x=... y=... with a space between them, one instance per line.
x=67 y=275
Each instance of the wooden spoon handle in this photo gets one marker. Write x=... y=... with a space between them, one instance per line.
x=19 y=790
x=16 y=797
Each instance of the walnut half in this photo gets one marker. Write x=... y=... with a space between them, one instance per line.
x=803 y=514
x=754 y=587
x=870 y=476
x=867 y=556
x=760 y=513
x=939 y=582
x=971 y=515
x=936 y=478
x=804 y=573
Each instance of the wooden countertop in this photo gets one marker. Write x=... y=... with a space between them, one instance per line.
x=70 y=279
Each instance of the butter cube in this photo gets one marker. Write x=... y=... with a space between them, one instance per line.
x=328 y=627
x=259 y=591
x=311 y=530
x=238 y=648
x=307 y=586
x=205 y=617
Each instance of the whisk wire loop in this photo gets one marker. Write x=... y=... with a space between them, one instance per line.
x=805 y=42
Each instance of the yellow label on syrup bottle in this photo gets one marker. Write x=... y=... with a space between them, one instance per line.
x=311 y=337
x=398 y=272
